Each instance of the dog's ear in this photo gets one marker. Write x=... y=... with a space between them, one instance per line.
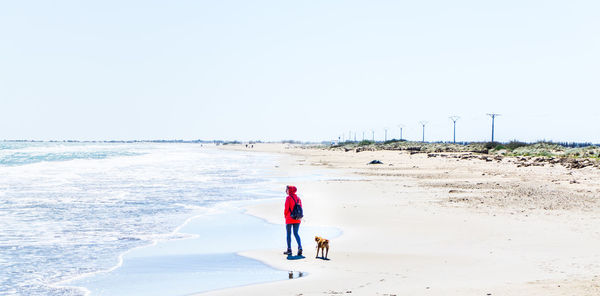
x=316 y=238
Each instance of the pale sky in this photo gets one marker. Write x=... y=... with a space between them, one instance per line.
x=305 y=70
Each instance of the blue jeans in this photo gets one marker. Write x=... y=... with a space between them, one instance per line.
x=288 y=228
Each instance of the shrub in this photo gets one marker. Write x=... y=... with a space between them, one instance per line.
x=491 y=145
x=393 y=141
x=512 y=145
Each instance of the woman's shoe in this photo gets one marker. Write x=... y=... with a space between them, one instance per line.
x=288 y=252
x=300 y=252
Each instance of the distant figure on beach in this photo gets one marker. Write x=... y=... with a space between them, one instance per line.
x=290 y=223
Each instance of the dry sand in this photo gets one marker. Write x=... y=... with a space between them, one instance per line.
x=419 y=225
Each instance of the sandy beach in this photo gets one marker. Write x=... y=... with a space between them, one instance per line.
x=419 y=225
x=443 y=147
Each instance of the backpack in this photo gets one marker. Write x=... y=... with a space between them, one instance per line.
x=296 y=212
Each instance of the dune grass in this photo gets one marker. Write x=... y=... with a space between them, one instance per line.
x=512 y=148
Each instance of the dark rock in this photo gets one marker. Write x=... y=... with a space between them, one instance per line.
x=375 y=161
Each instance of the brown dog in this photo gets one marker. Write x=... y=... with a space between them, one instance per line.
x=322 y=244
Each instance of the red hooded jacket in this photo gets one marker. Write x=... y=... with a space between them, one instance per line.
x=289 y=205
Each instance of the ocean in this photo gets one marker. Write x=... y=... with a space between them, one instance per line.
x=69 y=212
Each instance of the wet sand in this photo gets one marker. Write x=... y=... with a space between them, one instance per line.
x=418 y=225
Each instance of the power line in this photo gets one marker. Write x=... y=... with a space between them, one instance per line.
x=401 y=126
x=493 y=116
x=454 y=118
x=385 y=138
x=423 y=123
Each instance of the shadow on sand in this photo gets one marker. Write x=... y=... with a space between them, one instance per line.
x=290 y=257
x=322 y=258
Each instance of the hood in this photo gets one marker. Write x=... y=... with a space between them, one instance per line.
x=292 y=191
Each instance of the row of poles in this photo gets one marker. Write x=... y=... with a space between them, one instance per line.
x=454 y=119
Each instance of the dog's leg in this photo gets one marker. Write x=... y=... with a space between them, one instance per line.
x=317 y=252
x=327 y=252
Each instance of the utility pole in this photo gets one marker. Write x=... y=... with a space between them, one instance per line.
x=385 y=138
x=401 y=126
x=423 y=123
x=373 y=132
x=349 y=135
x=454 y=119
x=363 y=135
x=354 y=136
x=493 y=116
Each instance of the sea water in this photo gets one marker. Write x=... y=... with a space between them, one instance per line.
x=206 y=261
x=69 y=211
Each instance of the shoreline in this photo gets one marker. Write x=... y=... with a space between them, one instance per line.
x=443 y=242
x=65 y=283
x=230 y=208
x=79 y=277
x=204 y=253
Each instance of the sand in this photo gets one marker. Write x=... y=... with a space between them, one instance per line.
x=419 y=225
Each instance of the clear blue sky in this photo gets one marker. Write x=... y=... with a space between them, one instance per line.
x=308 y=70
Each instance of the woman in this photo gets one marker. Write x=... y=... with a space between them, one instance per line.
x=291 y=200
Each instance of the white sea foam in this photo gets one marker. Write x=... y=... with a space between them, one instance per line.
x=71 y=210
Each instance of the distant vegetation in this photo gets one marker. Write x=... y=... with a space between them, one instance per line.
x=231 y=143
x=512 y=148
x=114 y=141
